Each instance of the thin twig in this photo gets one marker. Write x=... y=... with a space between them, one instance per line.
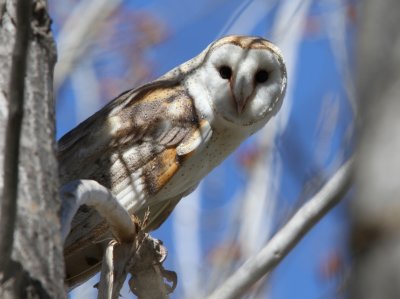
x=13 y=131
x=281 y=244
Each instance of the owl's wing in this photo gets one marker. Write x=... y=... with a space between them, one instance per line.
x=157 y=119
x=140 y=139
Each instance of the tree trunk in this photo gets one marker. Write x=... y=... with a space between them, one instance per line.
x=36 y=267
x=376 y=208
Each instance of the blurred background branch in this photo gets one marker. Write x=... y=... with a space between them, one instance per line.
x=375 y=210
x=78 y=32
x=286 y=238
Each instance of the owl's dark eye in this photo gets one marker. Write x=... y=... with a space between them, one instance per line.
x=225 y=72
x=261 y=76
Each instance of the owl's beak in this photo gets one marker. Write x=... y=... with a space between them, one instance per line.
x=240 y=103
x=242 y=91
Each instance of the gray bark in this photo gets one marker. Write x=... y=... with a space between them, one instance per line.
x=36 y=269
x=376 y=208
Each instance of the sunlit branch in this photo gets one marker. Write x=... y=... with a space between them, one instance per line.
x=90 y=193
x=283 y=241
x=135 y=252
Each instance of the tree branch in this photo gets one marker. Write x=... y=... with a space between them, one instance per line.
x=90 y=193
x=13 y=131
x=135 y=252
x=283 y=241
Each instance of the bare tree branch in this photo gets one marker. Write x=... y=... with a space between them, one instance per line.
x=35 y=269
x=89 y=192
x=281 y=244
x=143 y=260
x=113 y=273
x=135 y=252
x=13 y=132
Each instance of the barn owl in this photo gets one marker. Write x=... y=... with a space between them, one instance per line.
x=151 y=146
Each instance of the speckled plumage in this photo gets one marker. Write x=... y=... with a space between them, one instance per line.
x=151 y=146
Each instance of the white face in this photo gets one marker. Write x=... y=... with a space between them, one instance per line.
x=245 y=85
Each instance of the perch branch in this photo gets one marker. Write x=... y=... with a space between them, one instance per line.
x=113 y=272
x=135 y=252
x=283 y=241
x=90 y=193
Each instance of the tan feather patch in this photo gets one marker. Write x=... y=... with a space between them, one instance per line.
x=160 y=170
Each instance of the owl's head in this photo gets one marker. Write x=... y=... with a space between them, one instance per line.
x=244 y=79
